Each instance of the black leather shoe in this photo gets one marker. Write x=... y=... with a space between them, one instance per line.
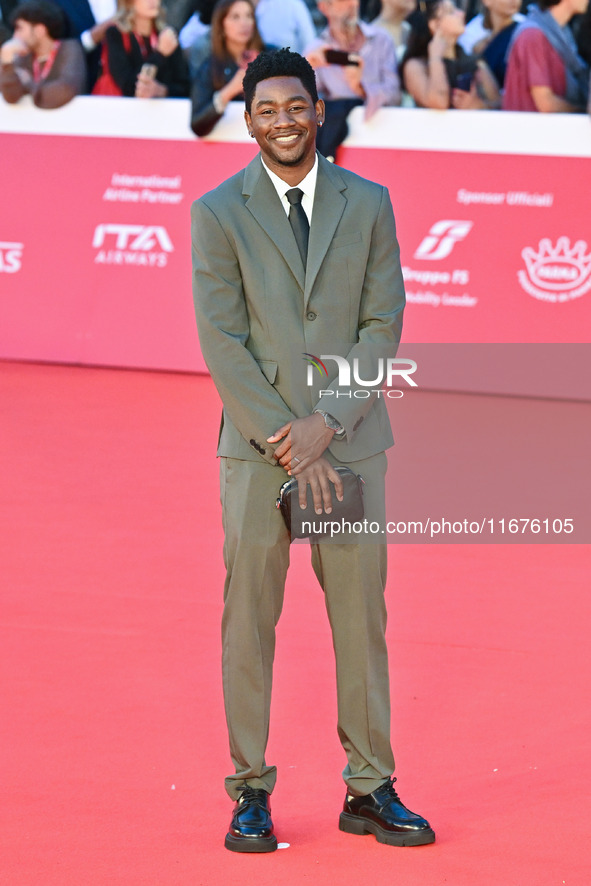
x=383 y=815
x=251 y=828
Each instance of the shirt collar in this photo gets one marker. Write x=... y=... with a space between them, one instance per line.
x=307 y=185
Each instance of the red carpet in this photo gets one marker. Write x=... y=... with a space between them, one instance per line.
x=112 y=732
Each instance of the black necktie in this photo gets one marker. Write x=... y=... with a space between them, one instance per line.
x=299 y=221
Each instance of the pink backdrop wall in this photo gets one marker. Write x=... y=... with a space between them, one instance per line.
x=95 y=244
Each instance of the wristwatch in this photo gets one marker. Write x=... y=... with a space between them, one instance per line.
x=331 y=422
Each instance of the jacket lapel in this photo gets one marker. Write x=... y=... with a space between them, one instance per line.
x=329 y=205
x=266 y=208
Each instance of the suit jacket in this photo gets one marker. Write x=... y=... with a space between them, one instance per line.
x=7 y=7
x=258 y=311
x=79 y=16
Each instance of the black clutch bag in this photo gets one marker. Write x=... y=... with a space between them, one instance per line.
x=306 y=523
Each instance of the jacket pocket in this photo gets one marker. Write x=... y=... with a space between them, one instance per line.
x=269 y=369
x=346 y=239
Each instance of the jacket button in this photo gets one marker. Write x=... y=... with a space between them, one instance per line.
x=311 y=315
x=252 y=443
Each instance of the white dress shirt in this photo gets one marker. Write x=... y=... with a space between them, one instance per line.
x=307 y=185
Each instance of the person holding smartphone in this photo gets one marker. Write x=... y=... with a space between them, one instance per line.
x=143 y=56
x=355 y=64
x=235 y=41
x=435 y=70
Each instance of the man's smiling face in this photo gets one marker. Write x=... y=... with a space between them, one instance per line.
x=283 y=119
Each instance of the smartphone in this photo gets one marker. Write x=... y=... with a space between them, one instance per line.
x=464 y=81
x=340 y=57
x=149 y=71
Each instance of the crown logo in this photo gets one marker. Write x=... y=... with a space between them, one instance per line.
x=556 y=273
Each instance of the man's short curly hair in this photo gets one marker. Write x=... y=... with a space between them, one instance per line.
x=41 y=12
x=279 y=63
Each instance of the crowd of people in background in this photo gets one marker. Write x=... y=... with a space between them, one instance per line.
x=460 y=54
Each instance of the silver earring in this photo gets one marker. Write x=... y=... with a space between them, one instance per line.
x=320 y=123
x=251 y=134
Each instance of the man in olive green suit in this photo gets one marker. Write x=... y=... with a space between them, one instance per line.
x=262 y=292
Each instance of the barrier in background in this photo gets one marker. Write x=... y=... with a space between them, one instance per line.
x=492 y=212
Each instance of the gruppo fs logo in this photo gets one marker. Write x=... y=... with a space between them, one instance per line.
x=556 y=273
x=442 y=238
x=385 y=369
x=132 y=245
x=11 y=255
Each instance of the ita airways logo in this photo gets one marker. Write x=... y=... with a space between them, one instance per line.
x=147 y=245
x=11 y=257
x=442 y=238
x=556 y=273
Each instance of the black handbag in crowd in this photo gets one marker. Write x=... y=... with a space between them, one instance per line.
x=301 y=523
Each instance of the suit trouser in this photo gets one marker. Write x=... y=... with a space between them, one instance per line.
x=352 y=576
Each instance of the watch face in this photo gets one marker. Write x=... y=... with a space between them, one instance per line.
x=330 y=421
